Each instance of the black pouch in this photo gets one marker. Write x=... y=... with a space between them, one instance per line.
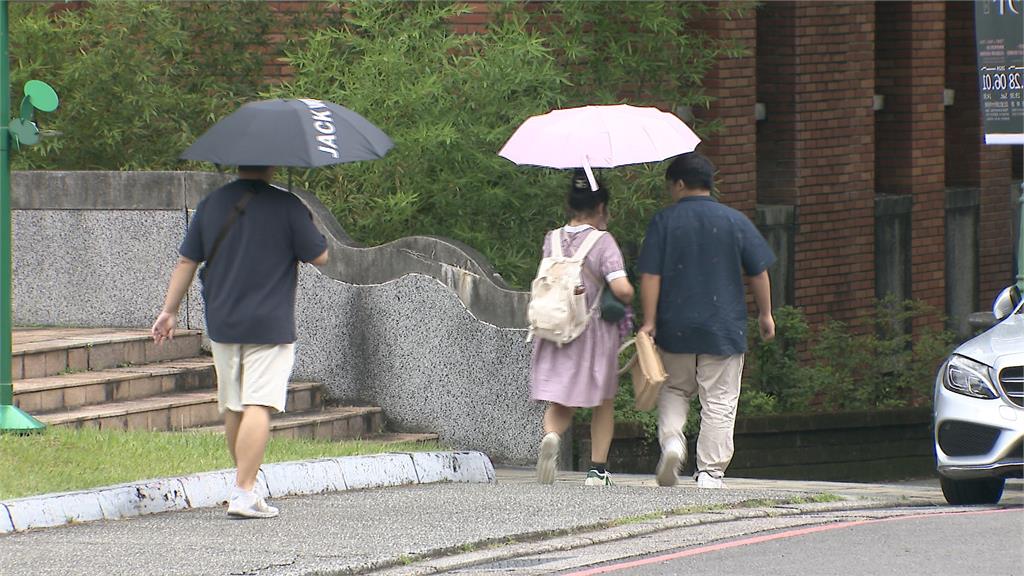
x=612 y=309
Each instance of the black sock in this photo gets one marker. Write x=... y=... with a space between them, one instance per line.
x=599 y=467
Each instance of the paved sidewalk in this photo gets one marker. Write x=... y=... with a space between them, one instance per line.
x=357 y=531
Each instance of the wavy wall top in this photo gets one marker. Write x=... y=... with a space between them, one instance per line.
x=461 y=268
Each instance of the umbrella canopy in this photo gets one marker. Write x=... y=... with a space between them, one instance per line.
x=599 y=137
x=300 y=132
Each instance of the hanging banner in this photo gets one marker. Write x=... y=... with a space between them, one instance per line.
x=999 y=29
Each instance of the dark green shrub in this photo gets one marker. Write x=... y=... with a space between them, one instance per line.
x=138 y=81
x=450 y=102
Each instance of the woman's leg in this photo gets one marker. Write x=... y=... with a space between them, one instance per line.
x=557 y=418
x=602 y=428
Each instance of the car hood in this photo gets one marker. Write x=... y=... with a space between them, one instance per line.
x=1003 y=339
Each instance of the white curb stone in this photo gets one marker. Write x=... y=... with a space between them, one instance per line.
x=54 y=511
x=378 y=471
x=208 y=489
x=211 y=489
x=5 y=520
x=300 y=478
x=151 y=497
x=452 y=467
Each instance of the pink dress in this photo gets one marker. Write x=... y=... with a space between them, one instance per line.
x=582 y=373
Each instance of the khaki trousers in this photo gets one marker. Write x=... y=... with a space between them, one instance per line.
x=716 y=381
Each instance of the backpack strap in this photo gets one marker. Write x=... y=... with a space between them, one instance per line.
x=556 y=243
x=238 y=210
x=588 y=243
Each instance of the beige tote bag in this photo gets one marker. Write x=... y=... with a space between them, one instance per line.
x=648 y=371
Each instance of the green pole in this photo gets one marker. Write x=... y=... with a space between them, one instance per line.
x=11 y=418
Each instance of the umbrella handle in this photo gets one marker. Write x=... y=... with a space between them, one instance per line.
x=590 y=173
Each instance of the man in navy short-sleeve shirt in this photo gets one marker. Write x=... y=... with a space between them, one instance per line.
x=693 y=262
x=252 y=237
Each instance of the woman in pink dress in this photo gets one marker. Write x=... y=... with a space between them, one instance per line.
x=584 y=372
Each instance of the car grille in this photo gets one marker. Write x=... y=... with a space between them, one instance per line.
x=1012 y=381
x=966 y=439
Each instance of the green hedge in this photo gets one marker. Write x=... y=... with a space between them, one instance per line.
x=877 y=364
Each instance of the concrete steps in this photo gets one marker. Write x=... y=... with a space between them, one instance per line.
x=118 y=379
x=340 y=422
x=67 y=391
x=175 y=411
x=41 y=352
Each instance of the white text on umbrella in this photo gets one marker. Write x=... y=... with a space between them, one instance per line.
x=324 y=124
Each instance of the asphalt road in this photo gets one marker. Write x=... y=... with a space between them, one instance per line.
x=933 y=541
x=341 y=532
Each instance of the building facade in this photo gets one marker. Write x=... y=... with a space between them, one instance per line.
x=852 y=135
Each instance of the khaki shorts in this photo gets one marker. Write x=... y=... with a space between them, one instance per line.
x=252 y=375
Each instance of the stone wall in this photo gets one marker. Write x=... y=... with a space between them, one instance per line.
x=422 y=327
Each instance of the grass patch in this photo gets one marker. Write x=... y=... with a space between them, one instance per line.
x=818 y=498
x=60 y=459
x=636 y=519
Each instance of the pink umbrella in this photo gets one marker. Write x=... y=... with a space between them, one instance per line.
x=599 y=137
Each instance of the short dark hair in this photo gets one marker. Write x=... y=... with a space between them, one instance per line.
x=693 y=169
x=583 y=200
x=253 y=168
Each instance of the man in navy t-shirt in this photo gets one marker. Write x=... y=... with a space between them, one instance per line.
x=693 y=262
x=252 y=236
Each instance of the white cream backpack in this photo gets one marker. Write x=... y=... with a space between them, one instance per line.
x=558 y=308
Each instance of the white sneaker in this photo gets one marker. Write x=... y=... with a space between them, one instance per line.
x=548 y=458
x=671 y=457
x=705 y=480
x=249 y=505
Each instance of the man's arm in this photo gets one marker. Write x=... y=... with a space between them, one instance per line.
x=650 y=291
x=319 y=260
x=181 y=279
x=762 y=289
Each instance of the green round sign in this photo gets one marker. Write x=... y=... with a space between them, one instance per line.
x=42 y=96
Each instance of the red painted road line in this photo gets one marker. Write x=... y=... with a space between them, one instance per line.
x=775 y=536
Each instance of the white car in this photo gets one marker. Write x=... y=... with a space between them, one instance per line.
x=979 y=409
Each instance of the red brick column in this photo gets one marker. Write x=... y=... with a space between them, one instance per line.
x=970 y=163
x=910 y=132
x=776 y=83
x=732 y=84
x=833 y=84
x=995 y=224
x=475 y=21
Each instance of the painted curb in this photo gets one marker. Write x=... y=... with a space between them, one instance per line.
x=211 y=489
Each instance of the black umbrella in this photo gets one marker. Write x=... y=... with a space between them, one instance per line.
x=302 y=132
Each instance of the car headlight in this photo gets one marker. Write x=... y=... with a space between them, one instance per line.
x=965 y=376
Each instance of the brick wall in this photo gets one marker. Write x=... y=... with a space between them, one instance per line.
x=926 y=68
x=776 y=82
x=969 y=162
x=734 y=148
x=963 y=118
x=910 y=134
x=475 y=21
x=833 y=67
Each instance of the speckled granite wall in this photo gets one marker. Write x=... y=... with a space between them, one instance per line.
x=412 y=343
x=93 y=267
x=411 y=347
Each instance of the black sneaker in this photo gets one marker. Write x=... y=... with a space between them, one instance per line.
x=595 y=478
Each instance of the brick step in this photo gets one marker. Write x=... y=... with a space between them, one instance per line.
x=338 y=423
x=69 y=391
x=41 y=352
x=169 y=411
